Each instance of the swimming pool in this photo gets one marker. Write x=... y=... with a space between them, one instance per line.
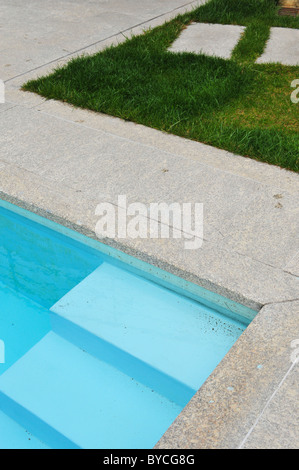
x=101 y=350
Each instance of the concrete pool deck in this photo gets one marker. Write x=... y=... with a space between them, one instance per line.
x=61 y=162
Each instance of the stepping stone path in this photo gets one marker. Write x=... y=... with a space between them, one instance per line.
x=282 y=46
x=211 y=39
x=219 y=40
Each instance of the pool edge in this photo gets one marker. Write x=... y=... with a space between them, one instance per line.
x=160 y=267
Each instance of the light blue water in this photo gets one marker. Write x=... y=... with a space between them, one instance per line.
x=41 y=264
x=22 y=324
x=97 y=355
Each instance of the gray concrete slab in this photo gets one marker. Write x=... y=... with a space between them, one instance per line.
x=5 y=106
x=211 y=39
x=60 y=162
x=266 y=229
x=100 y=166
x=281 y=47
x=278 y=426
x=269 y=175
x=46 y=31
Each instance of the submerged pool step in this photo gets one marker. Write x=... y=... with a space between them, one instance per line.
x=14 y=436
x=137 y=325
x=22 y=324
x=69 y=399
x=151 y=377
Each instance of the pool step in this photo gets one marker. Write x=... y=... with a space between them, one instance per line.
x=69 y=399
x=139 y=326
x=162 y=383
x=14 y=436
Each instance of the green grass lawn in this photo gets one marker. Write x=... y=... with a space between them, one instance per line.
x=232 y=104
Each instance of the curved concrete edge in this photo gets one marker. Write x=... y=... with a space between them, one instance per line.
x=250 y=400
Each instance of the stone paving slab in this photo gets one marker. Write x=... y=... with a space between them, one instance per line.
x=211 y=39
x=273 y=219
x=5 y=106
x=278 y=426
x=269 y=175
x=282 y=47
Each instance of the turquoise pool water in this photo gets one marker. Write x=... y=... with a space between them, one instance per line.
x=101 y=350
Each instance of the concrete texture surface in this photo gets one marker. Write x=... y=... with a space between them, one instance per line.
x=44 y=31
x=97 y=166
x=211 y=39
x=61 y=162
x=277 y=428
x=282 y=47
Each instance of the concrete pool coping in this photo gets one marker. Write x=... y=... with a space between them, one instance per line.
x=249 y=251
